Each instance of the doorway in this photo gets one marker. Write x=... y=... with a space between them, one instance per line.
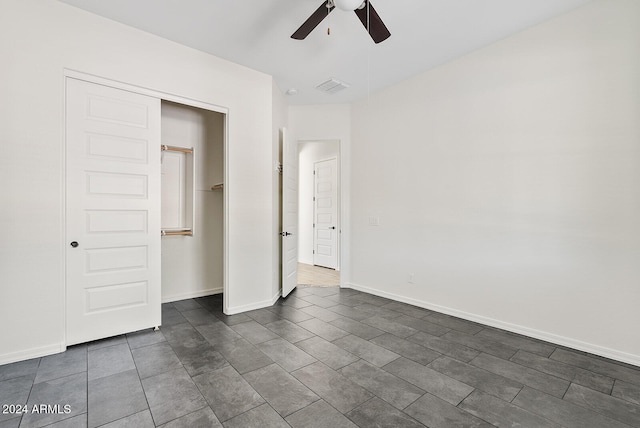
x=319 y=222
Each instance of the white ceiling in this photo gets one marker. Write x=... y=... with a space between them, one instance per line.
x=256 y=33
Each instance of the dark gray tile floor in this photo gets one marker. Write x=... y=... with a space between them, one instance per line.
x=323 y=357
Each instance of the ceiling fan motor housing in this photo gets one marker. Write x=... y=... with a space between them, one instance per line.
x=348 y=5
x=364 y=10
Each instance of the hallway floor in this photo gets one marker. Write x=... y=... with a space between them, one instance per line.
x=317 y=276
x=323 y=357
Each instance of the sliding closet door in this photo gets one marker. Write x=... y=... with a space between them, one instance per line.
x=112 y=211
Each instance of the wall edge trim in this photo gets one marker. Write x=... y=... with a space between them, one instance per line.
x=28 y=354
x=252 y=306
x=601 y=351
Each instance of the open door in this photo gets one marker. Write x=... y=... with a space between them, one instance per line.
x=289 y=215
x=112 y=211
x=325 y=217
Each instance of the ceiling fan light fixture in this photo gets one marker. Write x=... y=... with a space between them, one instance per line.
x=348 y=5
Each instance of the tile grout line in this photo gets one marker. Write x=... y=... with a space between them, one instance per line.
x=144 y=391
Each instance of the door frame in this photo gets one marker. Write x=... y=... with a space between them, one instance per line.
x=92 y=78
x=343 y=202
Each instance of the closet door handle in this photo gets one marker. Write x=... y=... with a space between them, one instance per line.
x=74 y=244
x=332 y=227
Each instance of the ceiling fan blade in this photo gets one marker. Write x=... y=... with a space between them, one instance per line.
x=312 y=22
x=377 y=30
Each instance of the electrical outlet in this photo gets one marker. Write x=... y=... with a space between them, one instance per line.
x=410 y=280
x=374 y=221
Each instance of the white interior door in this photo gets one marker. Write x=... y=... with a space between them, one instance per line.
x=112 y=211
x=289 y=215
x=326 y=228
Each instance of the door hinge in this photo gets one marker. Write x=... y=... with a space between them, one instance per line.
x=314 y=199
x=314 y=225
x=314 y=251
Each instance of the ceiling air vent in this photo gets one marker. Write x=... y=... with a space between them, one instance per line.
x=332 y=86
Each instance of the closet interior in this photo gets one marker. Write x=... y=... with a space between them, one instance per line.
x=192 y=176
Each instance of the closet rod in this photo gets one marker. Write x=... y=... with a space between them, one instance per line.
x=176 y=149
x=176 y=232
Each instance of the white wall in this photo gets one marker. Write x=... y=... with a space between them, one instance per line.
x=39 y=39
x=192 y=265
x=507 y=182
x=310 y=152
x=330 y=122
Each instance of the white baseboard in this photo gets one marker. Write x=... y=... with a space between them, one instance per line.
x=27 y=354
x=276 y=296
x=191 y=295
x=613 y=354
x=252 y=306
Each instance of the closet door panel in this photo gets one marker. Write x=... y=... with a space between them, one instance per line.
x=112 y=211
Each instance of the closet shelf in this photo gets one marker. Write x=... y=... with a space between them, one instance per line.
x=164 y=147
x=219 y=186
x=174 y=232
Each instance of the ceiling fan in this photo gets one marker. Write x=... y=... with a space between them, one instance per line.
x=363 y=9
